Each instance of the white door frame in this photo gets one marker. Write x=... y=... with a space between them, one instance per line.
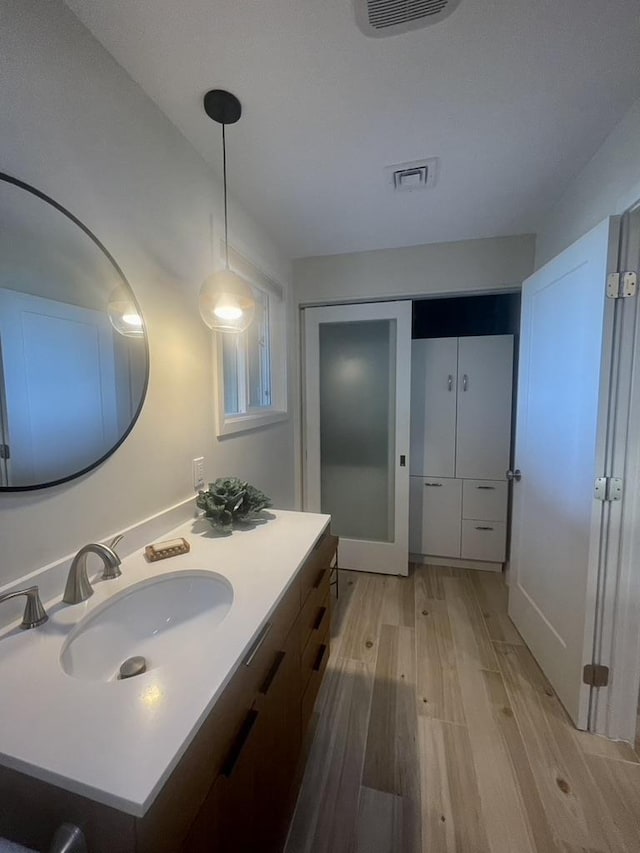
x=386 y=558
x=613 y=711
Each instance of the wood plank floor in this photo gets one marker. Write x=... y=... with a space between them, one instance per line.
x=436 y=732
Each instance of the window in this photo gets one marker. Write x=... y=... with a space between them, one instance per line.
x=252 y=365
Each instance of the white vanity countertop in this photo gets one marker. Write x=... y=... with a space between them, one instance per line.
x=117 y=742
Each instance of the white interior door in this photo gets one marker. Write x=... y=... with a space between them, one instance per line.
x=563 y=393
x=357 y=394
x=59 y=382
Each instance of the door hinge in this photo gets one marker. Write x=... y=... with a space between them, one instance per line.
x=5 y=453
x=607 y=488
x=595 y=675
x=621 y=285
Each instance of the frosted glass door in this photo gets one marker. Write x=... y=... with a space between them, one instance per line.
x=357 y=428
x=357 y=383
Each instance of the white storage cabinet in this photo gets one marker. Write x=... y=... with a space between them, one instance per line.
x=460 y=443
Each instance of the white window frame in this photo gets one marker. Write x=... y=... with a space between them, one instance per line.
x=230 y=424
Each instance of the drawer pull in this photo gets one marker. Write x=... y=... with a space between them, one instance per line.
x=484 y=528
x=318 y=580
x=434 y=485
x=253 y=651
x=275 y=666
x=486 y=488
x=319 y=618
x=320 y=657
x=238 y=745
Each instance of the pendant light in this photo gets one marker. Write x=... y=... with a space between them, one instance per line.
x=226 y=300
x=124 y=314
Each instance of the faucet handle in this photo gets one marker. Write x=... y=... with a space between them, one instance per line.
x=34 y=612
x=112 y=566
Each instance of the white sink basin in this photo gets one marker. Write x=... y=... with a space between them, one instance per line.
x=160 y=619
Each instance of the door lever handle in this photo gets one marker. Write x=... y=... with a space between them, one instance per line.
x=465 y=382
x=450 y=382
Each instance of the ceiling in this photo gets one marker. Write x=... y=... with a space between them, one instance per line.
x=513 y=96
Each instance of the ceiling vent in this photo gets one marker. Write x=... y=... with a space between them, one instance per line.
x=408 y=177
x=380 y=18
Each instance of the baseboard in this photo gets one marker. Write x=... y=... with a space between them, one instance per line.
x=455 y=563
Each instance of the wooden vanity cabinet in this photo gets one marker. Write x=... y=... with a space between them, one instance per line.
x=261 y=721
x=248 y=806
x=235 y=787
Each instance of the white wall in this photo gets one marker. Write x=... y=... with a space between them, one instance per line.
x=434 y=269
x=607 y=185
x=75 y=126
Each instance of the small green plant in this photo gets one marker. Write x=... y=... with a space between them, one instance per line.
x=229 y=500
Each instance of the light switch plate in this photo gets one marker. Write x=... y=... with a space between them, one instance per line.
x=198 y=473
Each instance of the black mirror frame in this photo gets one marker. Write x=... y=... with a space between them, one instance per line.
x=44 y=197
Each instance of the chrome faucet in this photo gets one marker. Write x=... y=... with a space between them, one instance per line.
x=34 y=612
x=78 y=587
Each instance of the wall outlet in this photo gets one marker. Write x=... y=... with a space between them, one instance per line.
x=198 y=473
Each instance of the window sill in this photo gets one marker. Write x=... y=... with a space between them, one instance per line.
x=233 y=424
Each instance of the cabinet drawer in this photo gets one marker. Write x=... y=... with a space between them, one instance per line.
x=315 y=612
x=437 y=509
x=485 y=500
x=317 y=564
x=269 y=641
x=484 y=540
x=315 y=641
x=314 y=665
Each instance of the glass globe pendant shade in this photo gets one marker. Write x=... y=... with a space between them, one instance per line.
x=124 y=314
x=226 y=302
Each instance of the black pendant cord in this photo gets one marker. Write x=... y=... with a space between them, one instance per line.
x=224 y=178
x=224 y=108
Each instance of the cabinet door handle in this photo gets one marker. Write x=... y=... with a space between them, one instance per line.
x=318 y=580
x=275 y=666
x=239 y=743
x=484 y=528
x=450 y=382
x=319 y=618
x=465 y=382
x=320 y=657
x=486 y=488
x=253 y=651
x=434 y=485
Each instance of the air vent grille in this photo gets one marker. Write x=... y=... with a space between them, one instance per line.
x=387 y=17
x=390 y=13
x=417 y=175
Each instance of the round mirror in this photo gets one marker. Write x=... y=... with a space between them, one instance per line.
x=74 y=361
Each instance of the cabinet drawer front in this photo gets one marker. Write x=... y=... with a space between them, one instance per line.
x=317 y=563
x=441 y=512
x=485 y=500
x=316 y=664
x=312 y=652
x=270 y=639
x=315 y=611
x=484 y=540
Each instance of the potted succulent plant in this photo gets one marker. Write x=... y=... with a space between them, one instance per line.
x=229 y=501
